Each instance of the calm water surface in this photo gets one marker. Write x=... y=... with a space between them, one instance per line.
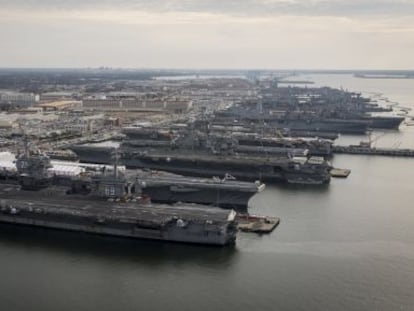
x=348 y=246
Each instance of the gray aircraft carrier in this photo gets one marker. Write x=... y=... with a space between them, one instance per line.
x=53 y=208
x=111 y=206
x=224 y=192
x=200 y=154
x=160 y=186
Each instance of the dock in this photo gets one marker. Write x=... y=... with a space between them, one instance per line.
x=340 y=172
x=373 y=151
x=256 y=223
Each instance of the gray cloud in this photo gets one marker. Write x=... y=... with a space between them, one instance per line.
x=250 y=34
x=234 y=7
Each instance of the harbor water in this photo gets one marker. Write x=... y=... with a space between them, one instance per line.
x=346 y=246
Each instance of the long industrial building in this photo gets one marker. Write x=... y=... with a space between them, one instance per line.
x=172 y=105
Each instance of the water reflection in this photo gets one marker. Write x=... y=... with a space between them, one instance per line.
x=112 y=248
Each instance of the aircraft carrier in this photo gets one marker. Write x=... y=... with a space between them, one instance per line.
x=297 y=170
x=111 y=206
x=310 y=109
x=224 y=192
x=53 y=208
x=200 y=154
x=249 y=141
x=302 y=123
x=160 y=186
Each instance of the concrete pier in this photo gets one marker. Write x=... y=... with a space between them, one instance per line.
x=373 y=151
x=256 y=223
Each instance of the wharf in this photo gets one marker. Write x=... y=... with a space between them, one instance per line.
x=340 y=172
x=256 y=223
x=373 y=151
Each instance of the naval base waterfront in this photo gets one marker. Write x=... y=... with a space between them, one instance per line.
x=346 y=246
x=332 y=251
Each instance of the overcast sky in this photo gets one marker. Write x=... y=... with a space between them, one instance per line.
x=269 y=34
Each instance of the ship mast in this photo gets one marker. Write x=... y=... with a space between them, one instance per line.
x=116 y=157
x=26 y=146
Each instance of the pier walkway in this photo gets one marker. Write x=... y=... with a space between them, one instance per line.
x=373 y=151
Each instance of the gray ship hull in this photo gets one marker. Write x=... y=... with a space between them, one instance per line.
x=251 y=170
x=225 y=199
x=122 y=231
x=316 y=125
x=392 y=123
x=202 y=165
x=51 y=208
x=168 y=188
x=98 y=155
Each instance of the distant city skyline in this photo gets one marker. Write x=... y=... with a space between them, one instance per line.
x=209 y=34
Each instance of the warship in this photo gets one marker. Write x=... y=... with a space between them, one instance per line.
x=108 y=205
x=247 y=141
x=358 y=124
x=165 y=187
x=247 y=146
x=316 y=147
x=161 y=187
x=310 y=109
x=264 y=130
x=296 y=170
x=299 y=123
x=383 y=122
x=201 y=153
x=278 y=141
x=208 y=156
x=226 y=192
